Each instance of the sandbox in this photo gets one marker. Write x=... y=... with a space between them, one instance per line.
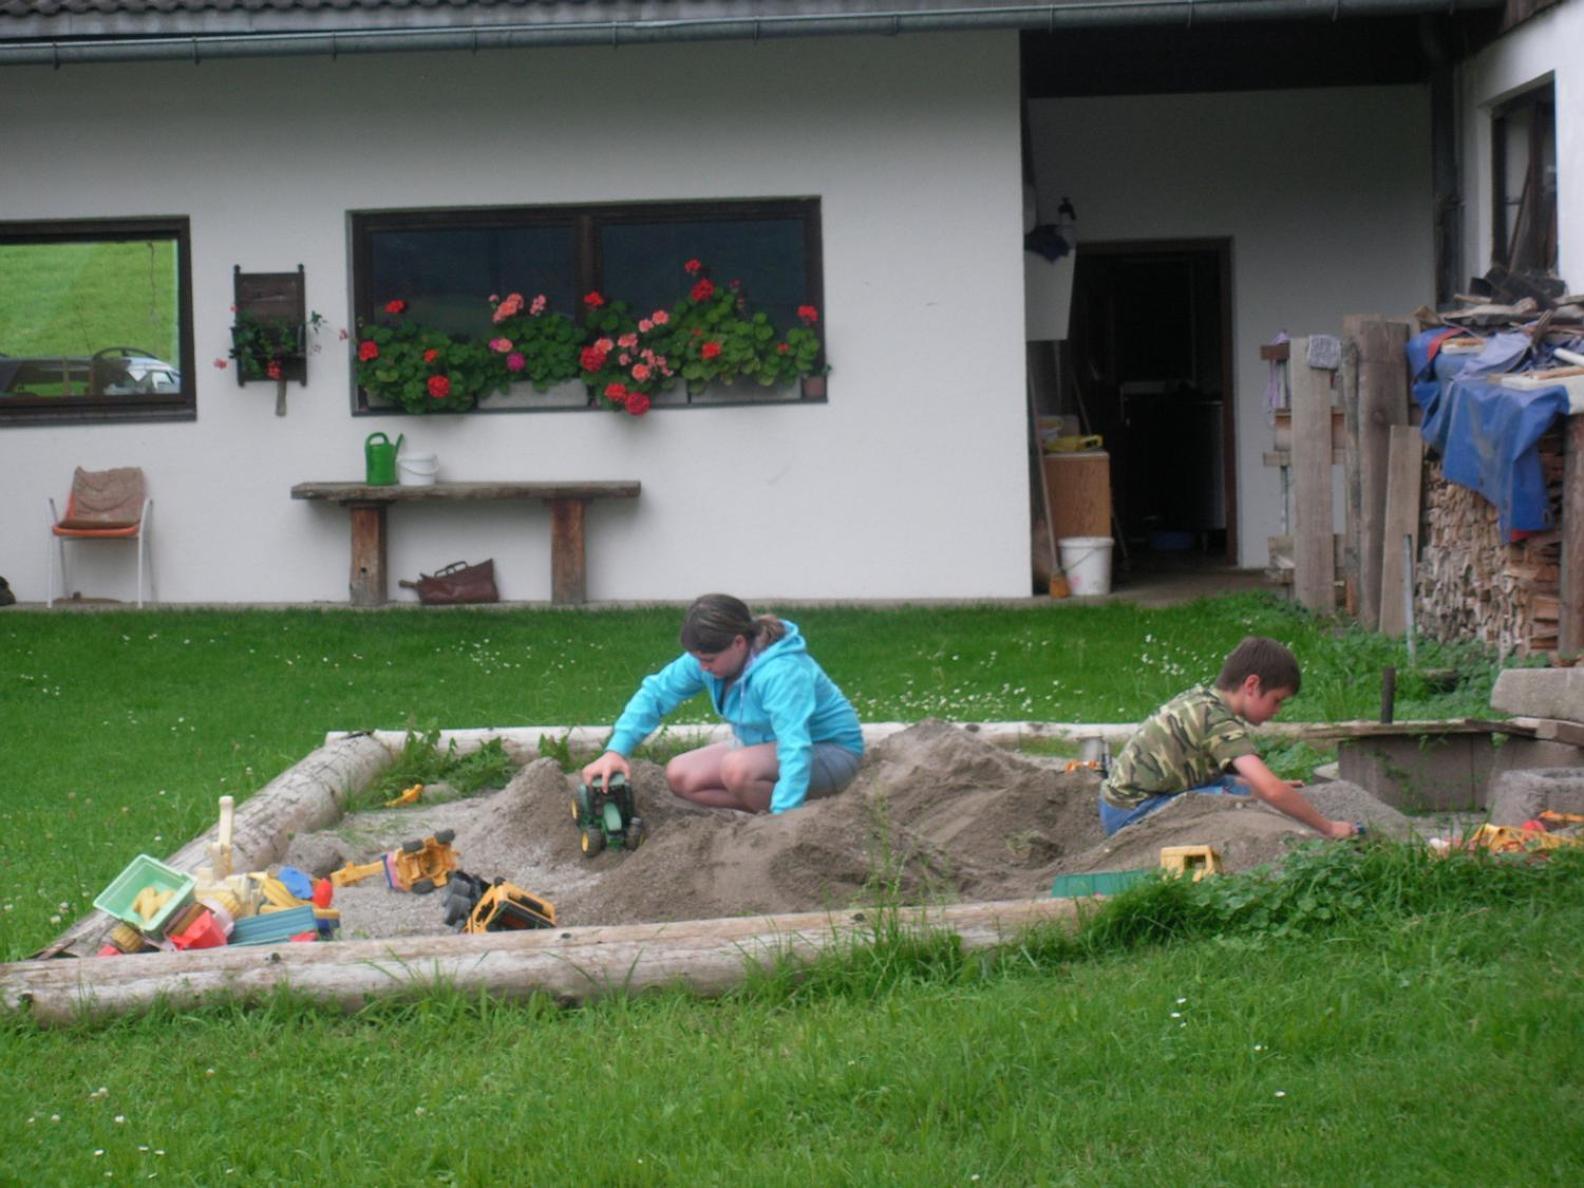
x=940 y=816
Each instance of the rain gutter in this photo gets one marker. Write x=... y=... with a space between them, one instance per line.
x=198 y=47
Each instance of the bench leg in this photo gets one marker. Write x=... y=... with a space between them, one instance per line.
x=568 y=577
x=367 y=585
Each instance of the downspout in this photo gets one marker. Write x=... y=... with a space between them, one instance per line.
x=1046 y=17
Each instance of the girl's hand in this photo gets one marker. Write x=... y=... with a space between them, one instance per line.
x=602 y=768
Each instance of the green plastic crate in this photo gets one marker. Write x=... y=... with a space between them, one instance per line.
x=143 y=871
x=1100 y=882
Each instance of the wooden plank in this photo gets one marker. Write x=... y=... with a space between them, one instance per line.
x=1404 y=474
x=1284 y=457
x=367 y=585
x=706 y=957
x=1570 y=613
x=568 y=575
x=1347 y=394
x=1383 y=402
x=1314 y=562
x=466 y=492
x=1282 y=436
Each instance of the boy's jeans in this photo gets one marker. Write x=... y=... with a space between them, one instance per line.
x=1112 y=819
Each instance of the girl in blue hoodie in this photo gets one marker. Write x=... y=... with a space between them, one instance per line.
x=795 y=735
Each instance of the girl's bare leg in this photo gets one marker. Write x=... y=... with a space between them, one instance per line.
x=725 y=776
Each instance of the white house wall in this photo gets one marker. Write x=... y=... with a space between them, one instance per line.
x=1549 y=46
x=1325 y=195
x=910 y=482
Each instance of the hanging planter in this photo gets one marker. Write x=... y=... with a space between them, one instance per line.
x=269 y=338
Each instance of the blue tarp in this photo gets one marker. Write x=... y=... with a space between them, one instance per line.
x=1486 y=434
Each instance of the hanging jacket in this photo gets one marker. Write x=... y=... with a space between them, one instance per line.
x=782 y=695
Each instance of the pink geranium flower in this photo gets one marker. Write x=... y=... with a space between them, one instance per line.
x=509 y=308
x=640 y=372
x=660 y=317
x=645 y=326
x=515 y=361
x=627 y=341
x=537 y=306
x=500 y=345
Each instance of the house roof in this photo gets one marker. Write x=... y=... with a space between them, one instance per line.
x=60 y=32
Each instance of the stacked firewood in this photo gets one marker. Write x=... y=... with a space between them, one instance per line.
x=1470 y=585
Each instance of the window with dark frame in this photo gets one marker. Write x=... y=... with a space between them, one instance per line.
x=446 y=264
x=1524 y=173
x=96 y=321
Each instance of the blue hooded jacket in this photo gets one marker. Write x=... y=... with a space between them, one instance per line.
x=782 y=696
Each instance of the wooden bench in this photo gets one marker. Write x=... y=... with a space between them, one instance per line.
x=367 y=505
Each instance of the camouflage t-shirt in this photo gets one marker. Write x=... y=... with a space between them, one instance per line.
x=1188 y=742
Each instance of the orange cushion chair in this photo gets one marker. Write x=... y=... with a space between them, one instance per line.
x=103 y=505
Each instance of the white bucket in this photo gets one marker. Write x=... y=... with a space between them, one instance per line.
x=1086 y=560
x=417 y=470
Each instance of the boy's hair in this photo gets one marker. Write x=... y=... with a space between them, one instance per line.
x=1260 y=656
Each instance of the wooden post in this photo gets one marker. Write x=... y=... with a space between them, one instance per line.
x=1570 y=615
x=568 y=575
x=1347 y=393
x=367 y=586
x=1314 y=550
x=1405 y=470
x=1383 y=402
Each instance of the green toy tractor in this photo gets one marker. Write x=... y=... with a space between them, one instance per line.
x=605 y=816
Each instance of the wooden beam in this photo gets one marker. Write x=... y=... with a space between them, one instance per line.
x=1405 y=472
x=367 y=583
x=1383 y=402
x=1314 y=559
x=1570 y=615
x=707 y=957
x=568 y=574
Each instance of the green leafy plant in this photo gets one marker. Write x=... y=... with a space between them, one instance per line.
x=532 y=343
x=421 y=368
x=712 y=335
x=423 y=761
x=264 y=348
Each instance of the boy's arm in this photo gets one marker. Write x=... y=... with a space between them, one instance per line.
x=1285 y=797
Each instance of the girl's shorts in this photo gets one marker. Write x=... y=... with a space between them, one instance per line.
x=831 y=768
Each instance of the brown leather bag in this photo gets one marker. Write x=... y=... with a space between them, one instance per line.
x=457 y=583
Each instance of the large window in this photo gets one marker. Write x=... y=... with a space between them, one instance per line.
x=446 y=265
x=95 y=321
x=1524 y=170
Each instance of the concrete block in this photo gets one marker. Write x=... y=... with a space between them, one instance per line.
x=1420 y=773
x=1540 y=693
x=1516 y=796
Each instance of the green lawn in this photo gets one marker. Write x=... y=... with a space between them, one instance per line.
x=78 y=298
x=1400 y=1038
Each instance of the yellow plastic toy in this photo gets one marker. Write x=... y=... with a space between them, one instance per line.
x=1197 y=860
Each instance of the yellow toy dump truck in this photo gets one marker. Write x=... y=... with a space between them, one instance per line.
x=418 y=866
x=475 y=905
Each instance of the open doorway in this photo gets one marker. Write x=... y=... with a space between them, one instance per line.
x=1149 y=363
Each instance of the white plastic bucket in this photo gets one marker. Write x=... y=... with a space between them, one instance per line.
x=417 y=470
x=1086 y=560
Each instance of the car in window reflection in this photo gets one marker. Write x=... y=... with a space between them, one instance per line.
x=114 y=371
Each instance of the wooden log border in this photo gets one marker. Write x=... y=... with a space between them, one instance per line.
x=705 y=957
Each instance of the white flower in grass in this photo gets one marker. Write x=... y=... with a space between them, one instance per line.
x=1281 y=1093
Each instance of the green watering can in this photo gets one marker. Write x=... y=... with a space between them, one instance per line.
x=379 y=457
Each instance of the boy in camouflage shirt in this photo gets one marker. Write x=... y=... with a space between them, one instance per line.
x=1198 y=739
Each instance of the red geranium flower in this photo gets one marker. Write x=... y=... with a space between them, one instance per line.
x=396 y=307
x=704 y=290
x=637 y=404
x=692 y=267
x=274 y=369
x=439 y=386
x=431 y=355
x=591 y=358
x=709 y=350
x=808 y=313
x=368 y=350
x=782 y=348
x=615 y=393
x=593 y=299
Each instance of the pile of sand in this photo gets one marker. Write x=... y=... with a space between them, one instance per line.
x=936 y=813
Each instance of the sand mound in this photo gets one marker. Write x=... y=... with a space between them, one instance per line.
x=936 y=813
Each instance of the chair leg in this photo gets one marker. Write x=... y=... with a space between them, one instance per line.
x=49 y=571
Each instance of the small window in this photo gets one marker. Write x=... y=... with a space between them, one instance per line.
x=447 y=266
x=1524 y=168
x=95 y=321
